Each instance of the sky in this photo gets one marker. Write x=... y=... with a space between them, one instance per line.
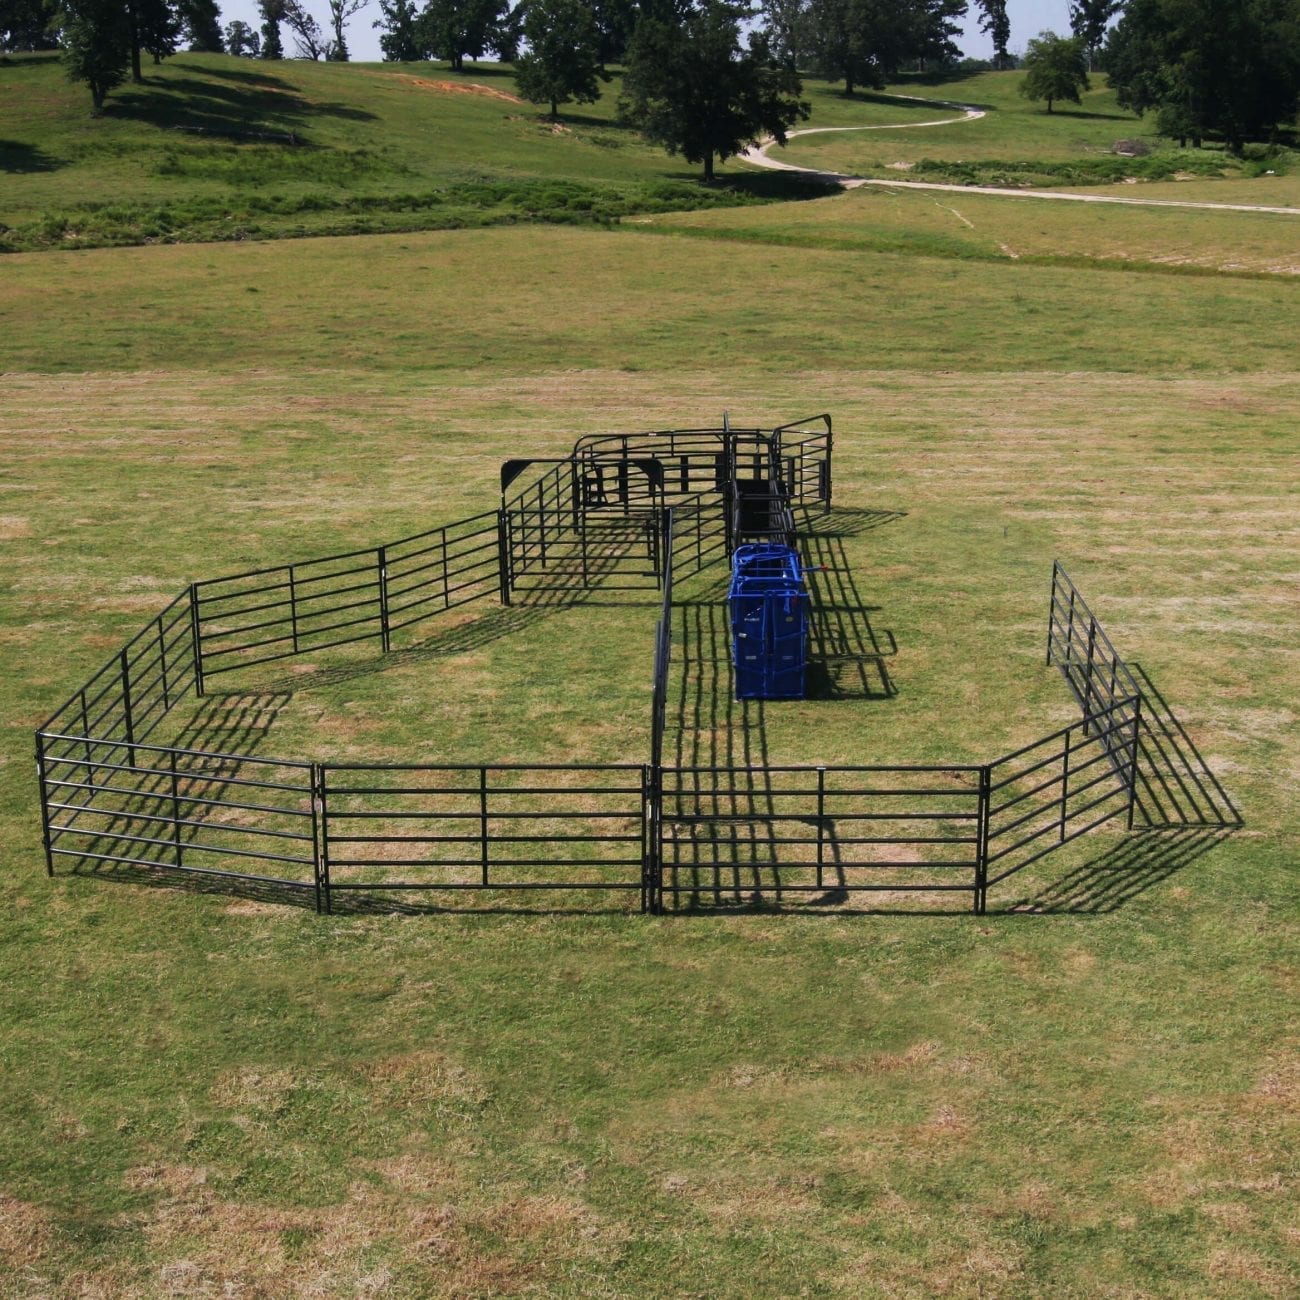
x=1028 y=18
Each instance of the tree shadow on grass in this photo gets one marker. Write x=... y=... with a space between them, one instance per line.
x=235 y=111
x=16 y=156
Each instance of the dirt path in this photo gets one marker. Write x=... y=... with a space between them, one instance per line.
x=758 y=156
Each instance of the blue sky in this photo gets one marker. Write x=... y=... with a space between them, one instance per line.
x=1028 y=18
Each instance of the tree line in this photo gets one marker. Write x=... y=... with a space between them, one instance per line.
x=704 y=77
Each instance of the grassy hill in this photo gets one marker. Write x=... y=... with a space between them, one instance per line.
x=1090 y=1092
x=211 y=147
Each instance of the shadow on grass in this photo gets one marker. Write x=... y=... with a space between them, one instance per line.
x=15 y=156
x=1139 y=862
x=256 y=104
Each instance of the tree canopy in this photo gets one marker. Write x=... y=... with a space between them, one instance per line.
x=1056 y=67
x=1225 y=67
x=562 y=64
x=691 y=87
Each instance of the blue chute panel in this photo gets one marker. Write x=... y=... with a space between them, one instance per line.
x=769 y=622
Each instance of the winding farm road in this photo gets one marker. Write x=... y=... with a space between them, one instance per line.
x=758 y=156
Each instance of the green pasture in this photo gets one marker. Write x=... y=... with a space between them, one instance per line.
x=1091 y=1091
x=211 y=148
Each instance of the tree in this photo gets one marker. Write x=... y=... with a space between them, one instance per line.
x=242 y=41
x=340 y=12
x=1055 y=68
x=201 y=22
x=456 y=28
x=1231 y=67
x=272 y=12
x=27 y=25
x=309 y=41
x=786 y=25
x=935 y=24
x=562 y=64
x=690 y=87
x=1089 y=20
x=861 y=42
x=96 y=46
x=400 y=38
x=997 y=27
x=156 y=29
x=615 y=22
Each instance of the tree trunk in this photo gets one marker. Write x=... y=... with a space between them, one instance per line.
x=136 y=74
x=555 y=111
x=97 y=99
x=708 y=166
x=1049 y=105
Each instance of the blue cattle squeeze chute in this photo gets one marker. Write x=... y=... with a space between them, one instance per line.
x=769 y=622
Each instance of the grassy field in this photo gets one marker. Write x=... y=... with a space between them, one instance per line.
x=210 y=148
x=1092 y=1091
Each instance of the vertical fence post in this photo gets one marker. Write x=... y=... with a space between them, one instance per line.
x=176 y=811
x=45 y=804
x=503 y=555
x=1051 y=611
x=483 y=822
x=647 y=838
x=446 y=573
x=293 y=607
x=91 y=772
x=162 y=666
x=196 y=639
x=127 y=720
x=1133 y=760
x=1087 y=674
x=319 y=871
x=320 y=858
x=1065 y=784
x=982 y=848
x=821 y=824
x=381 y=556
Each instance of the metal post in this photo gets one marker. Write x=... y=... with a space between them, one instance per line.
x=1051 y=612
x=1065 y=785
x=320 y=862
x=821 y=824
x=162 y=664
x=293 y=608
x=45 y=804
x=176 y=812
x=126 y=708
x=196 y=639
x=320 y=837
x=381 y=556
x=446 y=575
x=982 y=848
x=503 y=555
x=90 y=752
x=1133 y=760
x=483 y=822
x=1087 y=674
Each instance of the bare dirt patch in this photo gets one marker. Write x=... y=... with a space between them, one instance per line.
x=458 y=88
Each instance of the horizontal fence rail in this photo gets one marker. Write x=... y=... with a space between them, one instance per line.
x=488 y=827
x=824 y=830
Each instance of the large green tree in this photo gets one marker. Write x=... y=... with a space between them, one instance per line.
x=400 y=39
x=1089 y=20
x=28 y=25
x=1056 y=67
x=272 y=12
x=96 y=45
x=691 y=87
x=201 y=22
x=562 y=64
x=1227 y=67
x=861 y=42
x=155 y=28
x=995 y=24
x=454 y=29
